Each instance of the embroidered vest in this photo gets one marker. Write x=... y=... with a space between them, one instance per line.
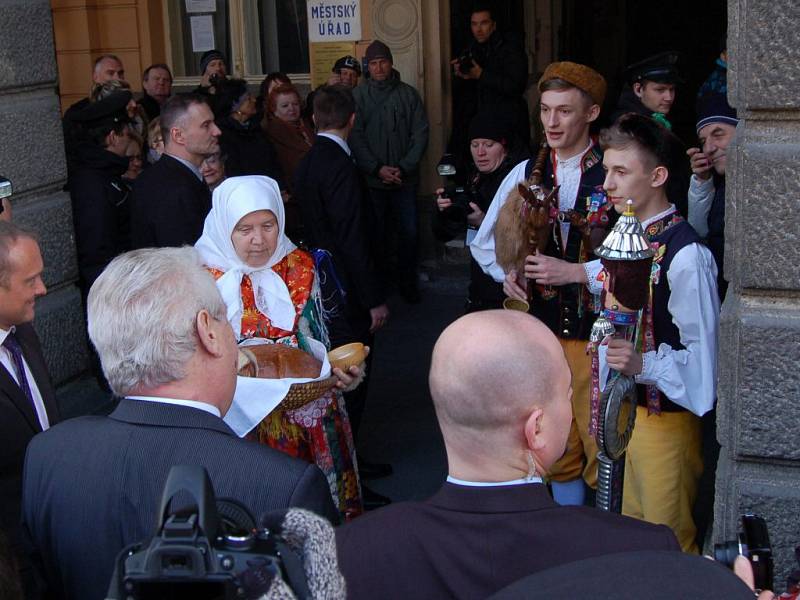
x=570 y=313
x=672 y=233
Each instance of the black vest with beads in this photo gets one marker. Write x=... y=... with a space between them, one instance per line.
x=674 y=233
x=569 y=314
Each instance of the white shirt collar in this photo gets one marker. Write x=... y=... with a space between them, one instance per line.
x=523 y=481
x=573 y=161
x=190 y=403
x=659 y=216
x=4 y=333
x=341 y=141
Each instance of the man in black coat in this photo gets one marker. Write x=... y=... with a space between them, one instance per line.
x=92 y=485
x=27 y=398
x=331 y=195
x=171 y=199
x=501 y=389
x=107 y=67
x=100 y=197
x=157 y=87
x=336 y=215
x=491 y=75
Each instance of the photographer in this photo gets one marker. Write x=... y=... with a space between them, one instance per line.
x=491 y=74
x=492 y=158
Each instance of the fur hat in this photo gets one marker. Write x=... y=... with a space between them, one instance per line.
x=581 y=76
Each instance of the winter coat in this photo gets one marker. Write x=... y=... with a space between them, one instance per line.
x=391 y=129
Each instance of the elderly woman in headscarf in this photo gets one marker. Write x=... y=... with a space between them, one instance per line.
x=271 y=292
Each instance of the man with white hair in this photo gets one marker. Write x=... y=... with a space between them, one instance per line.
x=92 y=487
x=501 y=389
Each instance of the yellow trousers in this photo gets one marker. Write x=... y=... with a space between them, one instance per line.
x=580 y=457
x=662 y=467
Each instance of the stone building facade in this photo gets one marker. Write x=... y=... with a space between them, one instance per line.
x=32 y=157
x=759 y=395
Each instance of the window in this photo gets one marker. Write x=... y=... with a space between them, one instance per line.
x=257 y=36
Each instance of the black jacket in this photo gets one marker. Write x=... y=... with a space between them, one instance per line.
x=500 y=88
x=169 y=206
x=150 y=105
x=18 y=426
x=100 y=209
x=484 y=292
x=248 y=150
x=93 y=485
x=332 y=198
x=468 y=542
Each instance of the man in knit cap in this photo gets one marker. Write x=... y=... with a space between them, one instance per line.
x=716 y=126
x=388 y=140
x=213 y=68
x=572 y=95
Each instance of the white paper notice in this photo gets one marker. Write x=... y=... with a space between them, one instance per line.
x=202 y=33
x=201 y=6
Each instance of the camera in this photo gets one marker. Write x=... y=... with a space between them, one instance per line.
x=752 y=543
x=460 y=195
x=465 y=61
x=213 y=550
x=216 y=78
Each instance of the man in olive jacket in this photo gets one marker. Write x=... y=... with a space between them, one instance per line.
x=388 y=140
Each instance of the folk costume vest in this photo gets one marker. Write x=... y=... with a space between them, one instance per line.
x=667 y=235
x=569 y=313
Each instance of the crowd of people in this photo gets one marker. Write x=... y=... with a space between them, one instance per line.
x=220 y=218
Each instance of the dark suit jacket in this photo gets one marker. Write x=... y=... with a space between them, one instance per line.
x=93 y=485
x=18 y=425
x=468 y=542
x=169 y=205
x=330 y=191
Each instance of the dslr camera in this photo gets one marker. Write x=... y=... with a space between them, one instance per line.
x=214 y=550
x=753 y=544
x=465 y=61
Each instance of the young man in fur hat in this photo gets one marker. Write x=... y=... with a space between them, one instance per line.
x=572 y=95
x=674 y=359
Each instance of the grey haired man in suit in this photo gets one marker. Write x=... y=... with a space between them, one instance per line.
x=501 y=388
x=92 y=485
x=27 y=398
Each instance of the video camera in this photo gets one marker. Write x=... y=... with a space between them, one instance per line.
x=215 y=551
x=753 y=544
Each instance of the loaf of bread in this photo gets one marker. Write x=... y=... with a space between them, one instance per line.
x=277 y=361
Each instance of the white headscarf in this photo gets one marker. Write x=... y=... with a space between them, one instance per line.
x=235 y=198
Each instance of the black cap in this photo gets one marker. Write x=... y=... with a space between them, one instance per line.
x=208 y=56
x=714 y=108
x=660 y=68
x=347 y=62
x=108 y=111
x=491 y=125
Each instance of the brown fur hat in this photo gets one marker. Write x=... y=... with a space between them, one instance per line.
x=581 y=76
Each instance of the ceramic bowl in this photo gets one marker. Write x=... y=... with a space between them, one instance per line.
x=349 y=355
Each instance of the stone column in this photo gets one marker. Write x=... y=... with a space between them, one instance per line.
x=32 y=157
x=759 y=391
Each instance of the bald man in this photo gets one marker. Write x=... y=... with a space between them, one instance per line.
x=501 y=388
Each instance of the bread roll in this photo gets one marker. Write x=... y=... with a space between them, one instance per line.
x=277 y=361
